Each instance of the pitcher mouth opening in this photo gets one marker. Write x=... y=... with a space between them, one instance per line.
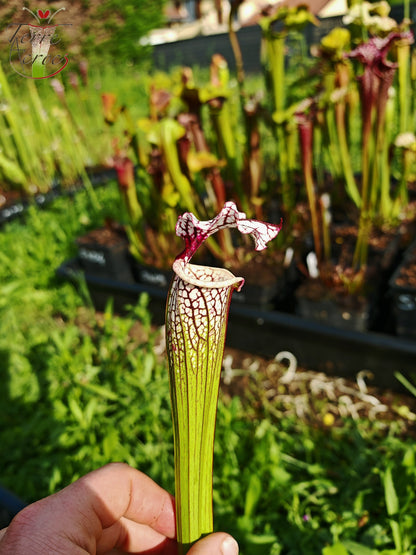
x=206 y=276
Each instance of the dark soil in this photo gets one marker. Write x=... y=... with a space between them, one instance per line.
x=407 y=276
x=8 y=198
x=110 y=235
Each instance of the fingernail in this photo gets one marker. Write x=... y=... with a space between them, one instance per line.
x=229 y=547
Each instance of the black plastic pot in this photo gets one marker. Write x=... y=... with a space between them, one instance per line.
x=8 y=213
x=101 y=175
x=329 y=312
x=43 y=199
x=267 y=332
x=150 y=275
x=256 y=295
x=403 y=295
x=109 y=260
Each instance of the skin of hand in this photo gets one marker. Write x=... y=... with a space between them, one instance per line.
x=115 y=509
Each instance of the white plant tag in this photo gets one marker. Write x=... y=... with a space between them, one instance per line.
x=288 y=257
x=312 y=264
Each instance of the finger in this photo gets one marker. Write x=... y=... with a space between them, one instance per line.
x=129 y=537
x=77 y=515
x=215 y=544
x=168 y=547
x=117 y=490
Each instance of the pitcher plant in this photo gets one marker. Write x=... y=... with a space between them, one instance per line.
x=196 y=321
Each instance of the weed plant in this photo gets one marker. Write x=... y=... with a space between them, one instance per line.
x=80 y=389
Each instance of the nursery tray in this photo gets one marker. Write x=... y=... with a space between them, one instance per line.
x=264 y=332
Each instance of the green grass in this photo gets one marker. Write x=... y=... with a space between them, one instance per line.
x=81 y=389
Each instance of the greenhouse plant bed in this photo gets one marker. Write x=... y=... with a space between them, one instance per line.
x=264 y=332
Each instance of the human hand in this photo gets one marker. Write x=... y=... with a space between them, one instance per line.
x=115 y=509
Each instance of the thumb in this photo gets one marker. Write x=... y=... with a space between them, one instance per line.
x=215 y=544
